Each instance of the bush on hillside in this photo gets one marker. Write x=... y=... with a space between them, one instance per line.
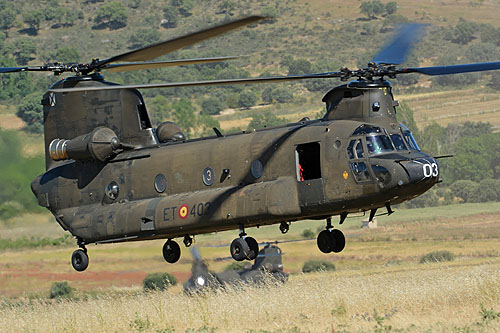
x=318 y=266
x=437 y=256
x=158 y=281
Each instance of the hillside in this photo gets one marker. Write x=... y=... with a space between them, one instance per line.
x=325 y=35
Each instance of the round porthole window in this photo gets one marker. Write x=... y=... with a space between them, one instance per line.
x=112 y=190
x=208 y=176
x=257 y=169
x=160 y=183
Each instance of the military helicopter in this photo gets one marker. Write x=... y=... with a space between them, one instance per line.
x=110 y=177
x=267 y=265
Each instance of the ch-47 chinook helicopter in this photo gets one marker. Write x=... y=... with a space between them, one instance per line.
x=111 y=177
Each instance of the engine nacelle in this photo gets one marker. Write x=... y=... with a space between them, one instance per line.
x=100 y=145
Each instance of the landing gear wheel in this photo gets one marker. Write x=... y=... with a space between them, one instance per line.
x=171 y=251
x=254 y=248
x=338 y=238
x=284 y=227
x=325 y=241
x=188 y=241
x=239 y=249
x=80 y=260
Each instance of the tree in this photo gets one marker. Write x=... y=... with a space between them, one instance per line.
x=391 y=7
x=495 y=80
x=471 y=160
x=247 y=99
x=300 y=66
x=267 y=95
x=66 y=54
x=483 y=52
x=25 y=49
x=31 y=112
x=282 y=94
x=184 y=6
x=211 y=106
x=184 y=115
x=464 y=189
x=464 y=31
x=170 y=14
x=113 y=15
x=7 y=18
x=33 y=19
x=143 y=37
x=372 y=8
x=265 y=119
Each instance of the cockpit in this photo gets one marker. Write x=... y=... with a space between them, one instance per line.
x=373 y=141
x=378 y=141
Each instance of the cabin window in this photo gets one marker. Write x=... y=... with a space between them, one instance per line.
x=398 y=142
x=360 y=171
x=378 y=144
x=308 y=161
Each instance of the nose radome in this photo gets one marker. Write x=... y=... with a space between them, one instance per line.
x=422 y=170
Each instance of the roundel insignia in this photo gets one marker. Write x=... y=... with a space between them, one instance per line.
x=183 y=211
x=345 y=174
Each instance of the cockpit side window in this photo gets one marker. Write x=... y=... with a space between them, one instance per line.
x=350 y=152
x=411 y=141
x=359 y=149
x=398 y=142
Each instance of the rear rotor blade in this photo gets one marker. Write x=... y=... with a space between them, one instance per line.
x=204 y=83
x=159 y=64
x=453 y=69
x=396 y=51
x=159 y=49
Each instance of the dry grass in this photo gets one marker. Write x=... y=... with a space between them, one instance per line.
x=435 y=297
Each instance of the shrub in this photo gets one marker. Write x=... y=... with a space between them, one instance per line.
x=487 y=190
x=61 y=290
x=464 y=189
x=308 y=233
x=317 y=266
x=437 y=256
x=158 y=281
x=235 y=266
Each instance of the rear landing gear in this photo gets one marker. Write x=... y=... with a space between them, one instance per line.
x=80 y=258
x=244 y=247
x=171 y=251
x=331 y=240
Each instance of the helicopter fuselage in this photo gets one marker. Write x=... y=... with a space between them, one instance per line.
x=301 y=171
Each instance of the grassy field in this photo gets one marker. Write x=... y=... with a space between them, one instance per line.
x=379 y=283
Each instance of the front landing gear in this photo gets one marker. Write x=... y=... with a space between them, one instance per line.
x=331 y=240
x=171 y=251
x=80 y=258
x=244 y=247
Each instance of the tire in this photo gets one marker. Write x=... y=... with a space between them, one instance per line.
x=254 y=248
x=171 y=251
x=239 y=249
x=339 y=240
x=80 y=260
x=325 y=241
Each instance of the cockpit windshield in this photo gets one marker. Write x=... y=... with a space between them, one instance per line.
x=378 y=144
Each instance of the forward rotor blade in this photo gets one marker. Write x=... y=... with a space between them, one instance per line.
x=12 y=69
x=396 y=51
x=159 y=64
x=204 y=83
x=453 y=69
x=159 y=49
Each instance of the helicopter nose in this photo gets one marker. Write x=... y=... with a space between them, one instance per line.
x=422 y=170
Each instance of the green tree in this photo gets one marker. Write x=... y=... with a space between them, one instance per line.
x=265 y=119
x=7 y=18
x=247 y=99
x=170 y=14
x=495 y=80
x=183 y=113
x=184 y=6
x=61 y=290
x=391 y=7
x=33 y=19
x=464 y=31
x=113 y=15
x=158 y=281
x=212 y=106
x=471 y=160
x=482 y=52
x=26 y=48
x=66 y=54
x=464 y=189
x=31 y=112
x=144 y=37
x=267 y=95
x=282 y=94
x=372 y=8
x=226 y=6
x=300 y=66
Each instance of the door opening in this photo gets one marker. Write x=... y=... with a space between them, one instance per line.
x=308 y=161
